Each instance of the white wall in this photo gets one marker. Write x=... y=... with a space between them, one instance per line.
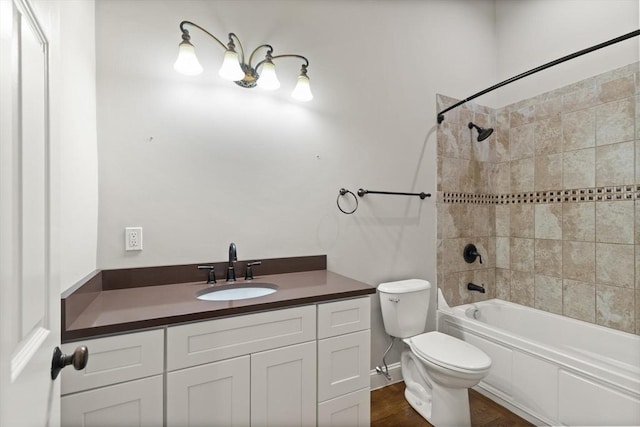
x=534 y=32
x=199 y=162
x=70 y=29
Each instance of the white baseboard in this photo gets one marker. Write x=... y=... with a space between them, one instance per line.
x=379 y=380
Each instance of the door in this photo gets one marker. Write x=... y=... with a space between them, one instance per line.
x=283 y=386
x=29 y=294
x=214 y=394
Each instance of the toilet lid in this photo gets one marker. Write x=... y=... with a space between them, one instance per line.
x=447 y=351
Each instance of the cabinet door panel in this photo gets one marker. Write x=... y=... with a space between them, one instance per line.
x=283 y=386
x=343 y=364
x=216 y=394
x=350 y=410
x=135 y=403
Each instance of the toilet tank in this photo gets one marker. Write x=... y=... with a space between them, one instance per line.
x=404 y=306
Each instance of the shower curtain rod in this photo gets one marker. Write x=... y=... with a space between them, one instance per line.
x=540 y=68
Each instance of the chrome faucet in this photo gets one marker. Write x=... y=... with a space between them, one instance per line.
x=233 y=257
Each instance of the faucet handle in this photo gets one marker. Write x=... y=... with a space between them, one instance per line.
x=211 y=278
x=248 y=275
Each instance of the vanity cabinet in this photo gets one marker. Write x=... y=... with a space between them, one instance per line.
x=300 y=366
x=121 y=385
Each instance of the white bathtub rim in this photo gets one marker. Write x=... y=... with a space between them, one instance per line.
x=627 y=384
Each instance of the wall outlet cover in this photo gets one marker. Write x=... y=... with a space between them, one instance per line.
x=133 y=238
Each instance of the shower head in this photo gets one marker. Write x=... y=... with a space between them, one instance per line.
x=482 y=132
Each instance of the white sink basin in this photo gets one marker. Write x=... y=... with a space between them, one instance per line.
x=237 y=291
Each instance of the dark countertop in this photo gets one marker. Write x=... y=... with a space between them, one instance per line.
x=125 y=310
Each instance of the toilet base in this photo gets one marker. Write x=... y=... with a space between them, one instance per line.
x=441 y=406
x=451 y=406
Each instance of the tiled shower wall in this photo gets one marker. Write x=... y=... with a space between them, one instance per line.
x=551 y=200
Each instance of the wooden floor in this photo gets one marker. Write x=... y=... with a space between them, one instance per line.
x=389 y=408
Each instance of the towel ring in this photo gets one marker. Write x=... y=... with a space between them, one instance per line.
x=342 y=192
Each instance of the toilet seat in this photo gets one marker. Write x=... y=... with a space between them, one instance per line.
x=449 y=352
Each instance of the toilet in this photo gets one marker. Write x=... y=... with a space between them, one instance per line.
x=438 y=369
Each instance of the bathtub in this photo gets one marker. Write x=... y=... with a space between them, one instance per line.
x=548 y=368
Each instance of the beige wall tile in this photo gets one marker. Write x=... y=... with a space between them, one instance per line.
x=548 y=173
x=522 y=220
x=549 y=107
x=548 y=221
x=522 y=254
x=503 y=284
x=450 y=289
x=502 y=183
x=638 y=114
x=447 y=139
x=484 y=220
x=499 y=142
x=615 y=222
x=548 y=135
x=579 y=168
x=579 y=129
x=615 y=164
x=522 y=288
x=503 y=220
x=615 y=307
x=580 y=99
x=521 y=142
x=469 y=176
x=637 y=143
x=637 y=220
x=615 y=122
x=487 y=278
x=637 y=304
x=503 y=250
x=615 y=265
x=579 y=300
x=522 y=116
x=578 y=261
x=548 y=257
x=579 y=221
x=522 y=175
x=548 y=293
x=452 y=256
x=452 y=220
x=616 y=89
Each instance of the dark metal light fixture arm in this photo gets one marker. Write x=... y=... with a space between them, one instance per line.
x=183 y=29
x=239 y=44
x=287 y=55
x=269 y=52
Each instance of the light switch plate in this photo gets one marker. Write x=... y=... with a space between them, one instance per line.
x=133 y=238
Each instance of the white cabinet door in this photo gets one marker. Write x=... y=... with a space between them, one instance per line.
x=215 y=394
x=134 y=403
x=283 y=386
x=350 y=410
x=343 y=364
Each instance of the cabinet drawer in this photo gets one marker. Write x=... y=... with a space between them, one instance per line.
x=350 y=410
x=116 y=359
x=343 y=317
x=343 y=364
x=204 y=342
x=134 y=403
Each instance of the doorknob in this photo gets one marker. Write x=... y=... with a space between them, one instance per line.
x=79 y=358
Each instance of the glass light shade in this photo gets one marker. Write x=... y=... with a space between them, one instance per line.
x=231 y=69
x=302 y=91
x=268 y=79
x=187 y=62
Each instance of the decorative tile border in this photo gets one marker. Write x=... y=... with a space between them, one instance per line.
x=577 y=195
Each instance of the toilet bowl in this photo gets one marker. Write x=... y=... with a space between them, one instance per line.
x=437 y=369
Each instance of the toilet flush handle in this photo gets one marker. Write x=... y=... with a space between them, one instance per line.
x=396 y=300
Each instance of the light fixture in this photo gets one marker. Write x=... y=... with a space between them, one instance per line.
x=235 y=68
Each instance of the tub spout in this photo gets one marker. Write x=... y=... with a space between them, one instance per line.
x=474 y=287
